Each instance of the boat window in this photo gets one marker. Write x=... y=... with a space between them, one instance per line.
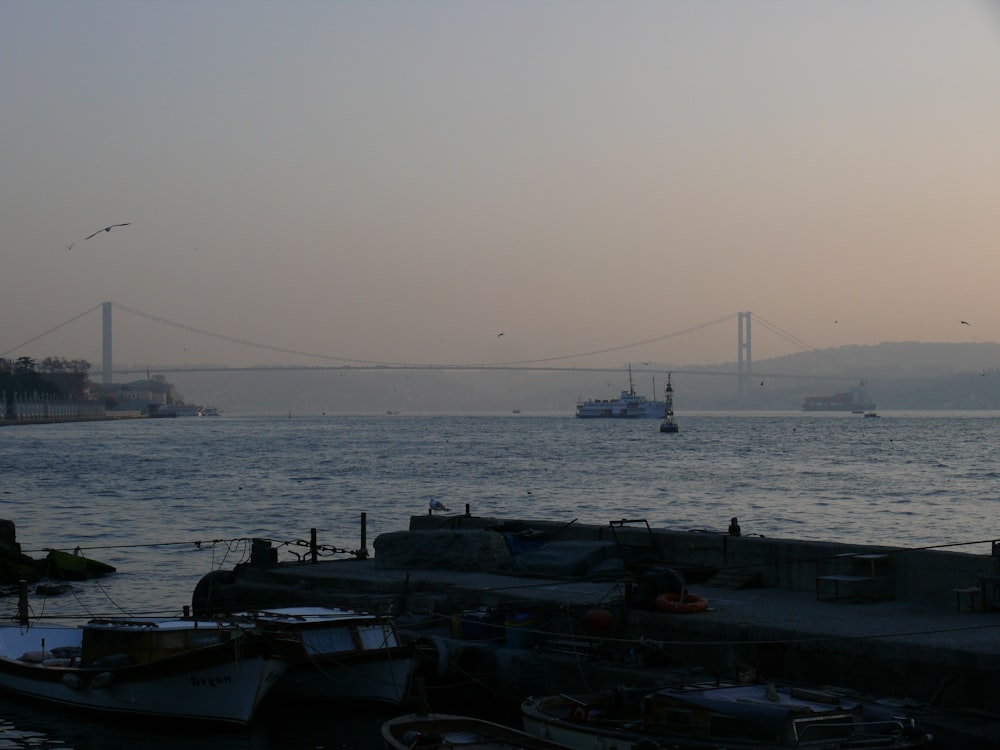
x=376 y=636
x=207 y=637
x=327 y=640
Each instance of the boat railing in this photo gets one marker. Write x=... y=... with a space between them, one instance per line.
x=862 y=734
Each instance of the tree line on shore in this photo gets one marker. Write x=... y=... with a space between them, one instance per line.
x=54 y=376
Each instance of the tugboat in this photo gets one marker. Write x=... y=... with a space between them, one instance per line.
x=668 y=424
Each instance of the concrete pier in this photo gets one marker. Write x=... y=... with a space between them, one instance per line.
x=550 y=604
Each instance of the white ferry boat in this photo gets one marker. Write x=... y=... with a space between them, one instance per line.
x=630 y=405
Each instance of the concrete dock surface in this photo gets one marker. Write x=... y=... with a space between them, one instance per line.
x=938 y=658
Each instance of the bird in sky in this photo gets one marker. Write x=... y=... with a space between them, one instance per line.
x=965 y=323
x=436 y=504
x=500 y=334
x=108 y=229
x=70 y=246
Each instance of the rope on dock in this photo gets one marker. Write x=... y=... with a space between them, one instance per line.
x=323 y=549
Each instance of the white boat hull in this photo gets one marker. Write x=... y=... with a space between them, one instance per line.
x=213 y=684
x=337 y=654
x=383 y=681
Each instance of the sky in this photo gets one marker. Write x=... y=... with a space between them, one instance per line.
x=405 y=181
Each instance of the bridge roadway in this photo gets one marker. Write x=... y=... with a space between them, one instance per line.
x=937 y=662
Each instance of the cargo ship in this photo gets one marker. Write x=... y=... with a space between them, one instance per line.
x=854 y=400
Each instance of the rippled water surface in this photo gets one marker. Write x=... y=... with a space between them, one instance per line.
x=166 y=501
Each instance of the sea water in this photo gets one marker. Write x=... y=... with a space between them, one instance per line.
x=167 y=501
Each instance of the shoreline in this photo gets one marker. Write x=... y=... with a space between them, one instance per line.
x=64 y=420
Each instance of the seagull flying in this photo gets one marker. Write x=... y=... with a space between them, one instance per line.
x=500 y=334
x=436 y=504
x=965 y=322
x=70 y=246
x=108 y=229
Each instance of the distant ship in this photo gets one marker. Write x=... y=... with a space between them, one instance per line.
x=855 y=400
x=629 y=405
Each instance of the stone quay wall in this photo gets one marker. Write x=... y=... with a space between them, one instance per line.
x=924 y=576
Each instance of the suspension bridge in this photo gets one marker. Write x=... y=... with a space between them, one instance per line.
x=743 y=370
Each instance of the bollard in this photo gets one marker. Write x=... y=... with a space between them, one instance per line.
x=313 y=550
x=22 y=602
x=363 y=550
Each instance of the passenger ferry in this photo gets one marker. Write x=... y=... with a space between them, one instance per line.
x=629 y=405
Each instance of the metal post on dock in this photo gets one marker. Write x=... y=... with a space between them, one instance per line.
x=313 y=550
x=22 y=602
x=363 y=550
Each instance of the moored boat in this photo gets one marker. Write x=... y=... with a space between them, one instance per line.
x=337 y=654
x=177 y=668
x=712 y=715
x=446 y=732
x=629 y=405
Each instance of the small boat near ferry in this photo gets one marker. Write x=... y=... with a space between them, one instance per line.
x=629 y=405
x=732 y=715
x=172 y=668
x=337 y=654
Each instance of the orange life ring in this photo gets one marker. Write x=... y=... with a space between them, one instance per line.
x=670 y=601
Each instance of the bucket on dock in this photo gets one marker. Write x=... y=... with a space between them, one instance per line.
x=521 y=630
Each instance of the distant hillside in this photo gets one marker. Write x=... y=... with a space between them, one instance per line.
x=898 y=376
x=901 y=359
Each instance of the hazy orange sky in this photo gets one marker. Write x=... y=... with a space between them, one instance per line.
x=402 y=181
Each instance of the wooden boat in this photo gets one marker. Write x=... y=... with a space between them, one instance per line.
x=178 y=668
x=337 y=654
x=712 y=715
x=447 y=732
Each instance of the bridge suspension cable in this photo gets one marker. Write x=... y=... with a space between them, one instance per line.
x=784 y=334
x=51 y=330
x=350 y=360
x=234 y=340
x=244 y=342
x=621 y=347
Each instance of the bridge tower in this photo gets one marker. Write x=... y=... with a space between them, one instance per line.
x=106 y=330
x=745 y=371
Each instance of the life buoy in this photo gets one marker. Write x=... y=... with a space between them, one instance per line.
x=673 y=602
x=580 y=713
